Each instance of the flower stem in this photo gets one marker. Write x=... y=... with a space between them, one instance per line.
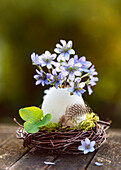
x=65 y=82
x=85 y=75
x=49 y=71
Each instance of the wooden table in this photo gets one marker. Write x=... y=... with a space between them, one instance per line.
x=14 y=157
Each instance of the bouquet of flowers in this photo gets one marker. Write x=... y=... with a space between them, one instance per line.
x=64 y=119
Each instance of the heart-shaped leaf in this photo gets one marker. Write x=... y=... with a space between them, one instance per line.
x=31 y=113
x=34 y=118
x=45 y=120
x=31 y=127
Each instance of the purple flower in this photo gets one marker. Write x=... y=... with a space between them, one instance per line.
x=82 y=60
x=65 y=50
x=70 y=69
x=42 y=78
x=47 y=59
x=56 y=78
x=36 y=59
x=87 y=146
x=71 y=72
x=77 y=87
x=91 y=82
x=92 y=72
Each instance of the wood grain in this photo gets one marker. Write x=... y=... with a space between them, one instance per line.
x=110 y=153
x=72 y=162
x=11 y=149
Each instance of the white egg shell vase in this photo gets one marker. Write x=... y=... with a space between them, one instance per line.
x=57 y=100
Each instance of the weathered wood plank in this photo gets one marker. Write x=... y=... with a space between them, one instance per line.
x=12 y=149
x=72 y=162
x=6 y=133
x=6 y=128
x=110 y=153
x=33 y=160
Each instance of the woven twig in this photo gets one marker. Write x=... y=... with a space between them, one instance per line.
x=63 y=142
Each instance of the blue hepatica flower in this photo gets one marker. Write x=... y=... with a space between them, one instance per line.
x=70 y=69
x=42 y=78
x=36 y=59
x=92 y=80
x=77 y=87
x=92 y=72
x=56 y=78
x=47 y=59
x=87 y=146
x=64 y=50
x=82 y=60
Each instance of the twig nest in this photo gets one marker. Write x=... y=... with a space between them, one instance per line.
x=65 y=141
x=58 y=100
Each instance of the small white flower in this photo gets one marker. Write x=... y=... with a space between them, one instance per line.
x=87 y=146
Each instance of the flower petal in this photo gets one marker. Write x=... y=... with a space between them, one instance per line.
x=87 y=141
x=76 y=58
x=71 y=62
x=86 y=151
x=81 y=85
x=92 y=143
x=49 y=163
x=67 y=56
x=63 y=42
x=58 y=46
x=69 y=44
x=71 y=51
x=58 y=51
x=38 y=82
x=91 y=149
x=89 y=90
x=83 y=58
x=98 y=164
x=81 y=148
x=71 y=77
x=53 y=56
x=83 y=143
x=49 y=66
x=77 y=73
x=61 y=57
x=47 y=53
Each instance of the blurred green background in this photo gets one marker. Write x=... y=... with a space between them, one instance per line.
x=37 y=25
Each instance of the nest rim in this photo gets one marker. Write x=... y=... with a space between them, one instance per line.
x=63 y=142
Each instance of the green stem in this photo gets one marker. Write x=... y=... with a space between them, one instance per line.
x=85 y=75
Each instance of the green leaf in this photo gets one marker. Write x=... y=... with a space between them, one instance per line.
x=34 y=126
x=34 y=118
x=31 y=113
x=45 y=120
x=31 y=127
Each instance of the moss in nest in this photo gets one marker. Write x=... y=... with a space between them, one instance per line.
x=50 y=127
x=89 y=123
x=85 y=125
